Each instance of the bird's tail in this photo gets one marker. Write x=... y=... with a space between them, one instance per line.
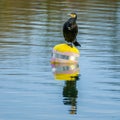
x=76 y=43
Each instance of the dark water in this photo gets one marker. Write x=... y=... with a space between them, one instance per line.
x=29 y=29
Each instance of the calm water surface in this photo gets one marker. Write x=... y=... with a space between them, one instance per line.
x=29 y=30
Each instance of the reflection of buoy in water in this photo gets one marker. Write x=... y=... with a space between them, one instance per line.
x=63 y=53
x=68 y=72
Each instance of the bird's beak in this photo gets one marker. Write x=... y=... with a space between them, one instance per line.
x=69 y=14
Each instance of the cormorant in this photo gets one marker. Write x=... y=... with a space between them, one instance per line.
x=70 y=30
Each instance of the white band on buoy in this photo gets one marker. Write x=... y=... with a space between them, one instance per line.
x=63 y=53
x=66 y=56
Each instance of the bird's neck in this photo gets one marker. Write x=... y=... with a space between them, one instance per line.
x=73 y=20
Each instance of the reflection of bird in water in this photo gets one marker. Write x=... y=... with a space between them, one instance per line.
x=70 y=93
x=69 y=73
x=70 y=30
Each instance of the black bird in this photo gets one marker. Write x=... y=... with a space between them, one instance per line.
x=70 y=30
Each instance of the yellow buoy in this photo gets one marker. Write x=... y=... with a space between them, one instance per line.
x=63 y=53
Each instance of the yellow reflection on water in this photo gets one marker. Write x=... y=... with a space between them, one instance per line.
x=68 y=72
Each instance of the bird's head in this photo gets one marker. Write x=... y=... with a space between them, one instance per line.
x=73 y=15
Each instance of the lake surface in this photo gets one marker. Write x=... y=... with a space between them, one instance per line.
x=29 y=29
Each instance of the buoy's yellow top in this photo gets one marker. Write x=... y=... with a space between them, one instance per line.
x=66 y=48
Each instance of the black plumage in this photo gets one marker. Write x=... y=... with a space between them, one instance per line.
x=70 y=30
